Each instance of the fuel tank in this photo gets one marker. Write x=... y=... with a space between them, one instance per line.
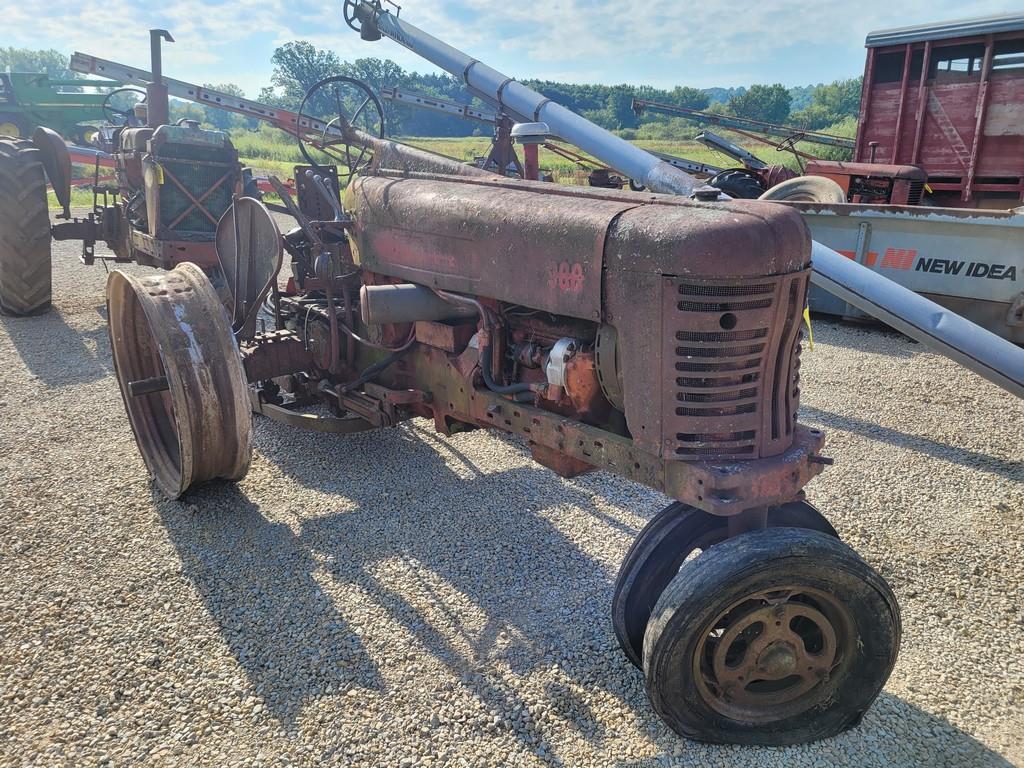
x=706 y=298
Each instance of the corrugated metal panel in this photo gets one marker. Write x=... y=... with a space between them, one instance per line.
x=979 y=25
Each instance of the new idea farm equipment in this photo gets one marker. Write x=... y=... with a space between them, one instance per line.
x=649 y=335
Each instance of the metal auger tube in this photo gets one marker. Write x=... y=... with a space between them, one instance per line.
x=946 y=332
x=986 y=354
x=527 y=105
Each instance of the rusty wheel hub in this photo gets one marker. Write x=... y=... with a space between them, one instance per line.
x=773 y=654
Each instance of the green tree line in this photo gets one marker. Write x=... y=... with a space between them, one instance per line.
x=298 y=65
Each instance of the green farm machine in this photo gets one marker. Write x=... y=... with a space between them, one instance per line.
x=73 y=108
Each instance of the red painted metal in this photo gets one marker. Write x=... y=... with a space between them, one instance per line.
x=531 y=163
x=982 y=111
x=865 y=102
x=900 y=110
x=961 y=125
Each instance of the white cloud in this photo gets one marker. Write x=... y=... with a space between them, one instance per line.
x=699 y=43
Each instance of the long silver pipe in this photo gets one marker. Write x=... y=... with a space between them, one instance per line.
x=527 y=105
x=988 y=355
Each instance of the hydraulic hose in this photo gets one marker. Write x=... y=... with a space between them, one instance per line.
x=485 y=352
x=498 y=389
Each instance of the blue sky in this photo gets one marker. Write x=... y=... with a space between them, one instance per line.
x=700 y=44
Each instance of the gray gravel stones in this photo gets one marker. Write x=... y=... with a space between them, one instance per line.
x=404 y=599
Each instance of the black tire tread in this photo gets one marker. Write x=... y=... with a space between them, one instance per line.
x=665 y=528
x=742 y=557
x=738 y=183
x=25 y=269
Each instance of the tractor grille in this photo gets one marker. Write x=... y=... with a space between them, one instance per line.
x=733 y=360
x=195 y=170
x=915 y=192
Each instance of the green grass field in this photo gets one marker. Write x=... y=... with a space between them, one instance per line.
x=269 y=151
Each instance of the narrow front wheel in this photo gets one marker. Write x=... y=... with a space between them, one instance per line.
x=777 y=636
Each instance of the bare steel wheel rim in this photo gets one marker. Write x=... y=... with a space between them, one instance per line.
x=172 y=328
x=774 y=654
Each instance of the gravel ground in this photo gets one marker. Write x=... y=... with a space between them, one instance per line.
x=403 y=599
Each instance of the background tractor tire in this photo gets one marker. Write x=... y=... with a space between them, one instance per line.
x=807 y=189
x=25 y=271
x=738 y=183
x=14 y=127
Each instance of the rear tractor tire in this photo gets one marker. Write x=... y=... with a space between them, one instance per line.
x=738 y=183
x=181 y=377
x=776 y=636
x=25 y=271
x=806 y=189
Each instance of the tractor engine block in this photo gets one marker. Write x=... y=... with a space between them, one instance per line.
x=670 y=324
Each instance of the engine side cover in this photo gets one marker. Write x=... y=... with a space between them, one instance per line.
x=706 y=298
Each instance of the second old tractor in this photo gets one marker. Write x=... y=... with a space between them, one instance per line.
x=174 y=183
x=650 y=336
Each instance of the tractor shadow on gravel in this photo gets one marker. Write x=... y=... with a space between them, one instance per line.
x=952 y=453
x=477 y=567
x=256 y=580
x=57 y=354
x=538 y=601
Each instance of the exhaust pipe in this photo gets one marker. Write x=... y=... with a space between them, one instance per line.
x=406 y=303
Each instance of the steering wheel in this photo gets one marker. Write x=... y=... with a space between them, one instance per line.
x=331 y=105
x=349 y=11
x=350 y=15
x=122 y=117
x=789 y=144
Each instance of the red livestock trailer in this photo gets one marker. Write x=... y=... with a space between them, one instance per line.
x=949 y=98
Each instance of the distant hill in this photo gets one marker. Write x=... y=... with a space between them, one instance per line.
x=722 y=95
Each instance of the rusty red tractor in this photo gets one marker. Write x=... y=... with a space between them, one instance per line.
x=650 y=336
x=173 y=185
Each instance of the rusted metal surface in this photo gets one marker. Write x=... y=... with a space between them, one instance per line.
x=166 y=254
x=314 y=422
x=729 y=355
x=540 y=251
x=172 y=325
x=515 y=241
x=873 y=182
x=722 y=488
x=653 y=253
x=450 y=338
x=771 y=655
x=249 y=251
x=274 y=354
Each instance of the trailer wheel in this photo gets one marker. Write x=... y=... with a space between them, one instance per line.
x=671 y=537
x=738 y=183
x=806 y=189
x=24 y=230
x=778 y=636
x=181 y=377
